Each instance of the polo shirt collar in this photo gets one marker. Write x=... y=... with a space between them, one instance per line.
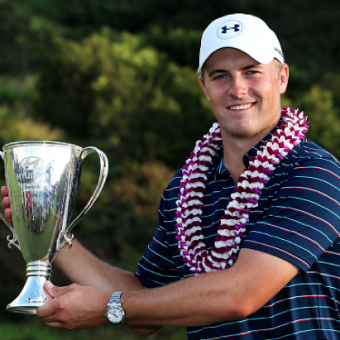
x=217 y=169
x=252 y=152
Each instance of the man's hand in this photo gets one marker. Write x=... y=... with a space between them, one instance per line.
x=6 y=204
x=73 y=307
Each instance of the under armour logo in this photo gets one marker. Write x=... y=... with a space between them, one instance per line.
x=230 y=29
x=225 y=29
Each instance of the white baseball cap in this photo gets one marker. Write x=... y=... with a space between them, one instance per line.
x=244 y=32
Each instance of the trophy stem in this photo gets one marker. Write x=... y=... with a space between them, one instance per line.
x=32 y=295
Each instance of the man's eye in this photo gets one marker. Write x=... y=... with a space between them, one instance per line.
x=221 y=76
x=253 y=72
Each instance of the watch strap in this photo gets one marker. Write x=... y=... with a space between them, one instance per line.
x=115 y=298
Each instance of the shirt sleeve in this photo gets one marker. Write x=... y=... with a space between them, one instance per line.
x=303 y=220
x=157 y=267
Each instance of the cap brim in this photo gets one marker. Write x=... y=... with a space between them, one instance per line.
x=259 y=55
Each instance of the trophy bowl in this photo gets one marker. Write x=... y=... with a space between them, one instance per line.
x=43 y=179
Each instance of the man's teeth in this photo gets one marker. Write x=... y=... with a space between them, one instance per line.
x=240 y=107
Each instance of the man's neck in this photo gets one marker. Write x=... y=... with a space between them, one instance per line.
x=234 y=151
x=235 y=148
x=233 y=160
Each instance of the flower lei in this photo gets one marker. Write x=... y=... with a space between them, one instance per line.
x=245 y=196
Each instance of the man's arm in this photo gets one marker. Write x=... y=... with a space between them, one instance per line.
x=201 y=300
x=83 y=268
x=214 y=297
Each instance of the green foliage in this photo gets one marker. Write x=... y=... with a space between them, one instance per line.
x=308 y=29
x=179 y=43
x=115 y=88
x=324 y=118
x=121 y=75
x=16 y=98
x=33 y=329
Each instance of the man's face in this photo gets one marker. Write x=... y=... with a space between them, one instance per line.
x=244 y=95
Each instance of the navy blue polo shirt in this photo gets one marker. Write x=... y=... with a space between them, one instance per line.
x=297 y=219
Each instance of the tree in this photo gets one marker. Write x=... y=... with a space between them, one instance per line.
x=113 y=88
x=324 y=118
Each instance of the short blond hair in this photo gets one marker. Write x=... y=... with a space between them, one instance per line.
x=279 y=67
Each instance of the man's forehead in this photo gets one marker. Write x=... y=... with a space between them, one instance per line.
x=228 y=55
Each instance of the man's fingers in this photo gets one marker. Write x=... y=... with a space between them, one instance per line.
x=53 y=304
x=4 y=191
x=53 y=324
x=6 y=202
x=8 y=214
x=46 y=310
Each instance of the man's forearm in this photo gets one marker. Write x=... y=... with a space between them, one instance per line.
x=213 y=297
x=82 y=267
x=196 y=301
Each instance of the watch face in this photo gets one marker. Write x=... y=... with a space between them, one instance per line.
x=115 y=314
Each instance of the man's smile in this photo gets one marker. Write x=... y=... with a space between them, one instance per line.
x=241 y=107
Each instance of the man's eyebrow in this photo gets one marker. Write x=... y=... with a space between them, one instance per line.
x=216 y=71
x=250 y=66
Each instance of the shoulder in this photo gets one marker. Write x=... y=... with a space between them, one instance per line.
x=175 y=182
x=170 y=194
x=309 y=158
x=308 y=150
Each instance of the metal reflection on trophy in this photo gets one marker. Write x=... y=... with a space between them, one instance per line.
x=43 y=180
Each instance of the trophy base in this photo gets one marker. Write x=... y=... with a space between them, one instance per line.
x=32 y=295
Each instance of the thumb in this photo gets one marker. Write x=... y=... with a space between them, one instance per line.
x=48 y=290
x=53 y=291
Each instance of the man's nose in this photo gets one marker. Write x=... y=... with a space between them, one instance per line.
x=238 y=87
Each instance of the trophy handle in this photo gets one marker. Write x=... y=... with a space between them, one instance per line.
x=104 y=169
x=14 y=241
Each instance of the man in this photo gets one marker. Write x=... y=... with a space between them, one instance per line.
x=247 y=245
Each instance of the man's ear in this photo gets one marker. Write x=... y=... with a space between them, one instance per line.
x=284 y=76
x=204 y=88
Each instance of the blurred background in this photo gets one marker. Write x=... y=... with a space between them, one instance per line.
x=121 y=75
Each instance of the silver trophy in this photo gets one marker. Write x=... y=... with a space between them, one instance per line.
x=43 y=180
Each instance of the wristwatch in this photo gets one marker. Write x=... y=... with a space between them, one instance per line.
x=114 y=311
